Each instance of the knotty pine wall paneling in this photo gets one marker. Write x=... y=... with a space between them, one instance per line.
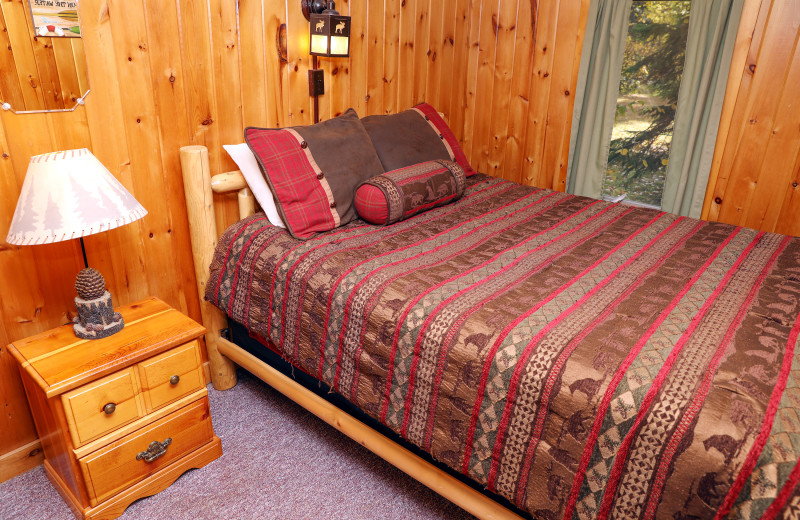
x=434 y=52
x=519 y=99
x=170 y=73
x=357 y=70
x=505 y=28
x=39 y=73
x=568 y=45
x=391 y=56
x=756 y=170
x=340 y=93
x=374 y=58
x=456 y=83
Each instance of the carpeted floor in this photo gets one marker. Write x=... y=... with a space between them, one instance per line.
x=279 y=462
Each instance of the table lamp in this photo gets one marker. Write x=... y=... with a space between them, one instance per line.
x=68 y=195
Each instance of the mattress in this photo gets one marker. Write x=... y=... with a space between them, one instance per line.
x=583 y=359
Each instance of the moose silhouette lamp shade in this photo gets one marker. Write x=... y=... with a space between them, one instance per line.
x=329 y=33
x=68 y=195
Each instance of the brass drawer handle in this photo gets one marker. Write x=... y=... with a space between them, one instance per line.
x=154 y=451
x=109 y=408
x=174 y=380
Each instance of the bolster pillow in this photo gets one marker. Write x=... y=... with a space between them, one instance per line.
x=402 y=193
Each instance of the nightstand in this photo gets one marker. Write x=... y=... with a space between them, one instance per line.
x=119 y=418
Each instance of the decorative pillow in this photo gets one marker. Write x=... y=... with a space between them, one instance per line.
x=313 y=171
x=246 y=161
x=399 y=194
x=414 y=136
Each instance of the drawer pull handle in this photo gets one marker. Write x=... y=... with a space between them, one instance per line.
x=174 y=380
x=109 y=408
x=154 y=451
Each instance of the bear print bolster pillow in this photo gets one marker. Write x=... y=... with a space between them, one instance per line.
x=402 y=193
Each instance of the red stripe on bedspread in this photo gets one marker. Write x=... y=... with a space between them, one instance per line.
x=450 y=335
x=622 y=452
x=788 y=490
x=583 y=359
x=417 y=298
x=602 y=408
x=515 y=378
x=766 y=428
x=457 y=238
x=378 y=292
x=691 y=412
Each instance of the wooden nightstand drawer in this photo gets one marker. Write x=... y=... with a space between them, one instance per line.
x=102 y=406
x=90 y=448
x=116 y=466
x=171 y=375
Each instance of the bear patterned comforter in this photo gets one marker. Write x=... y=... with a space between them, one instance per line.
x=581 y=358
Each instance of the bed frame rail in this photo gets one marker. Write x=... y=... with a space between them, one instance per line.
x=200 y=187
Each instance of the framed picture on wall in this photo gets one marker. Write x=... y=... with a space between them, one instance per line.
x=57 y=18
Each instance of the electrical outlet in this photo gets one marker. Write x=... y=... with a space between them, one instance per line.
x=316 y=82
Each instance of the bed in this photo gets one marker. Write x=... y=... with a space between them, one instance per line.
x=579 y=358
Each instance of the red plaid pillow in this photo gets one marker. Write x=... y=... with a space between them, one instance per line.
x=414 y=136
x=400 y=194
x=313 y=170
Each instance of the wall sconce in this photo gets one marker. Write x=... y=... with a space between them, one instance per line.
x=329 y=36
x=330 y=33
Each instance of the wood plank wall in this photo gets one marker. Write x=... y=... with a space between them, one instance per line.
x=169 y=73
x=755 y=176
x=38 y=73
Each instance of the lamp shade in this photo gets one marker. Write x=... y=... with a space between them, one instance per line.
x=330 y=34
x=68 y=195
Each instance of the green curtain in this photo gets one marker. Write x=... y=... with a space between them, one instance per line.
x=596 y=95
x=713 y=25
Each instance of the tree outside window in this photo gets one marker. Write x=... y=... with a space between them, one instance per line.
x=651 y=75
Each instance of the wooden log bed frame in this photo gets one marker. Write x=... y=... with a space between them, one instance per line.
x=199 y=187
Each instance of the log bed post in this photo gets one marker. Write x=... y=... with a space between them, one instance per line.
x=247 y=203
x=200 y=209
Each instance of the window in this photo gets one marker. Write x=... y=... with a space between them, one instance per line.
x=651 y=75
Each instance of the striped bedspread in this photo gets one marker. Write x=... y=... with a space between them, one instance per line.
x=581 y=358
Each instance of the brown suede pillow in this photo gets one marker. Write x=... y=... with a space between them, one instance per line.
x=313 y=171
x=414 y=136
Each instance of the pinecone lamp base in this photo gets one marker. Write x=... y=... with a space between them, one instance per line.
x=96 y=316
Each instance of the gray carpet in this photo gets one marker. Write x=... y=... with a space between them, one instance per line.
x=279 y=462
